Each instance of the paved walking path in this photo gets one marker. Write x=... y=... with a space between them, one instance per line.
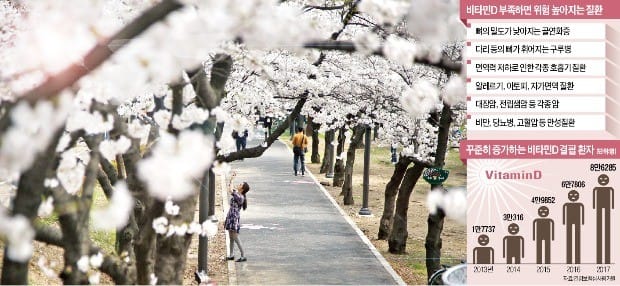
x=293 y=234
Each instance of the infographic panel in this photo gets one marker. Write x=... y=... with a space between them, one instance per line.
x=543 y=221
x=542 y=148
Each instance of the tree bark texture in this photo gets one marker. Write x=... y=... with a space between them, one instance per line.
x=435 y=221
x=74 y=224
x=109 y=170
x=172 y=251
x=120 y=272
x=328 y=152
x=375 y=131
x=315 y=157
x=300 y=122
x=144 y=238
x=166 y=256
x=26 y=203
x=398 y=236
x=433 y=242
x=145 y=244
x=339 y=165
x=120 y=166
x=391 y=189
x=347 y=187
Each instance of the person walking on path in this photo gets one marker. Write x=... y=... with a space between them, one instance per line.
x=232 y=223
x=300 y=143
x=240 y=140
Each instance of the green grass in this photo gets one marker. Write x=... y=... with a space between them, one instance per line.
x=50 y=220
x=417 y=268
x=380 y=155
x=414 y=260
x=458 y=171
x=106 y=240
x=453 y=163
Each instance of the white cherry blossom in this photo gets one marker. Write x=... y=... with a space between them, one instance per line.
x=83 y=264
x=160 y=225
x=171 y=208
x=116 y=214
x=96 y=260
x=110 y=148
x=175 y=163
x=46 y=208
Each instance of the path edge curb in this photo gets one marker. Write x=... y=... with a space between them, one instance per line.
x=359 y=232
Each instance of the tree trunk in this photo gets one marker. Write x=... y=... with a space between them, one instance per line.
x=433 y=242
x=120 y=166
x=144 y=211
x=339 y=166
x=109 y=170
x=435 y=221
x=74 y=217
x=374 y=134
x=300 y=122
x=328 y=152
x=120 y=272
x=391 y=189
x=398 y=236
x=172 y=251
x=315 y=157
x=75 y=244
x=347 y=187
x=26 y=203
x=145 y=244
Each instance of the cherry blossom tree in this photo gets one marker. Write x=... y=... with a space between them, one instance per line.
x=431 y=111
x=429 y=26
x=138 y=97
x=65 y=103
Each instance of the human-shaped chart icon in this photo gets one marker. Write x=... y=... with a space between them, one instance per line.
x=513 y=245
x=603 y=202
x=560 y=229
x=573 y=216
x=543 y=234
x=484 y=254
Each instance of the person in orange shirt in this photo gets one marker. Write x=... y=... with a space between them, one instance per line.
x=300 y=143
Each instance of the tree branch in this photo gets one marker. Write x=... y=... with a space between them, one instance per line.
x=90 y=176
x=346 y=20
x=323 y=8
x=445 y=63
x=259 y=150
x=112 y=265
x=94 y=58
x=102 y=51
x=105 y=184
x=26 y=203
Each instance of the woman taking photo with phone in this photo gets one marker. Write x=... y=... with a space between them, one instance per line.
x=232 y=223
